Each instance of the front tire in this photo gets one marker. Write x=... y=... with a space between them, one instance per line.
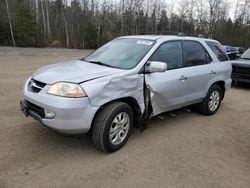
x=112 y=126
x=212 y=101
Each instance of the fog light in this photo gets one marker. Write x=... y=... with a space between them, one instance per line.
x=49 y=114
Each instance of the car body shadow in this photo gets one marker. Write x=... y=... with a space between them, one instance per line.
x=241 y=85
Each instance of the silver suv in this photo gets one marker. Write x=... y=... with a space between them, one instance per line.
x=126 y=82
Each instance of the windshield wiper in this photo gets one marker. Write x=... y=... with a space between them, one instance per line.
x=100 y=63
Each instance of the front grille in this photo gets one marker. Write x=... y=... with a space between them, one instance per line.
x=34 y=109
x=35 y=86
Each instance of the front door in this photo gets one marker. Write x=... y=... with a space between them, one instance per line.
x=167 y=89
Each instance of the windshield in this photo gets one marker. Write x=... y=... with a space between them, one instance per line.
x=121 y=53
x=246 y=55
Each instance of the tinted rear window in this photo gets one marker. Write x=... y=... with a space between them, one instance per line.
x=218 y=50
x=195 y=54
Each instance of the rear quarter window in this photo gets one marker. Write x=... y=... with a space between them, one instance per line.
x=218 y=50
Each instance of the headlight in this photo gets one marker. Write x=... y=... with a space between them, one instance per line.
x=65 y=89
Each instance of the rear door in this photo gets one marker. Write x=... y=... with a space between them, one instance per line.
x=200 y=70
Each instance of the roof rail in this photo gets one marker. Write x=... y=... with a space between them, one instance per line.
x=181 y=34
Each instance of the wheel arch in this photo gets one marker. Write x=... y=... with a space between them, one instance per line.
x=131 y=101
x=220 y=83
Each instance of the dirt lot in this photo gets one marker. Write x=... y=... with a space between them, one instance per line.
x=189 y=150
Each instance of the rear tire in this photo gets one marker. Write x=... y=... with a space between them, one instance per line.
x=212 y=101
x=112 y=126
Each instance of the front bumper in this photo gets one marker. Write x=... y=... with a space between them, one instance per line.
x=72 y=115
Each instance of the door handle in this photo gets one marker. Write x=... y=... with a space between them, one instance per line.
x=212 y=72
x=183 y=78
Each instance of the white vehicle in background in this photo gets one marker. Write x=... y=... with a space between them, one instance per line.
x=240 y=51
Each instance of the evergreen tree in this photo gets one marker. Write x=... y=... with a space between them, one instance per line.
x=25 y=26
x=4 y=32
x=91 y=23
x=90 y=37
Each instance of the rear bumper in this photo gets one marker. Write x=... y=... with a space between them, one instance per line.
x=72 y=115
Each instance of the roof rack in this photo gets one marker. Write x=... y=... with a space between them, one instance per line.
x=181 y=34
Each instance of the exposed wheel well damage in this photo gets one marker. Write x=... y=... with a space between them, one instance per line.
x=222 y=86
x=132 y=103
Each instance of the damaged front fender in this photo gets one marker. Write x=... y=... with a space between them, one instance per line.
x=110 y=88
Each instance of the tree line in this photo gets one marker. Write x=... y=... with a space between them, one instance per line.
x=91 y=23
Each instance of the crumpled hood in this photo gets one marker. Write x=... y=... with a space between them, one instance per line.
x=76 y=71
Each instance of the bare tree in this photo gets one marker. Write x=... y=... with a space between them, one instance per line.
x=48 y=22
x=65 y=25
x=183 y=10
x=92 y=11
x=37 y=18
x=244 y=10
x=122 y=16
x=44 y=21
x=170 y=11
x=236 y=9
x=10 y=23
x=90 y=23
x=213 y=8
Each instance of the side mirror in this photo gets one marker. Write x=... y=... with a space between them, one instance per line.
x=155 y=66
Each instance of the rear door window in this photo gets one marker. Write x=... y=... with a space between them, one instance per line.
x=218 y=50
x=195 y=54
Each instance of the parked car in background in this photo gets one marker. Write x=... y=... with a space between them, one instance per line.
x=231 y=52
x=241 y=68
x=240 y=51
x=124 y=83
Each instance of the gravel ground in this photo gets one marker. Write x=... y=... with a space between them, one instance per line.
x=189 y=150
